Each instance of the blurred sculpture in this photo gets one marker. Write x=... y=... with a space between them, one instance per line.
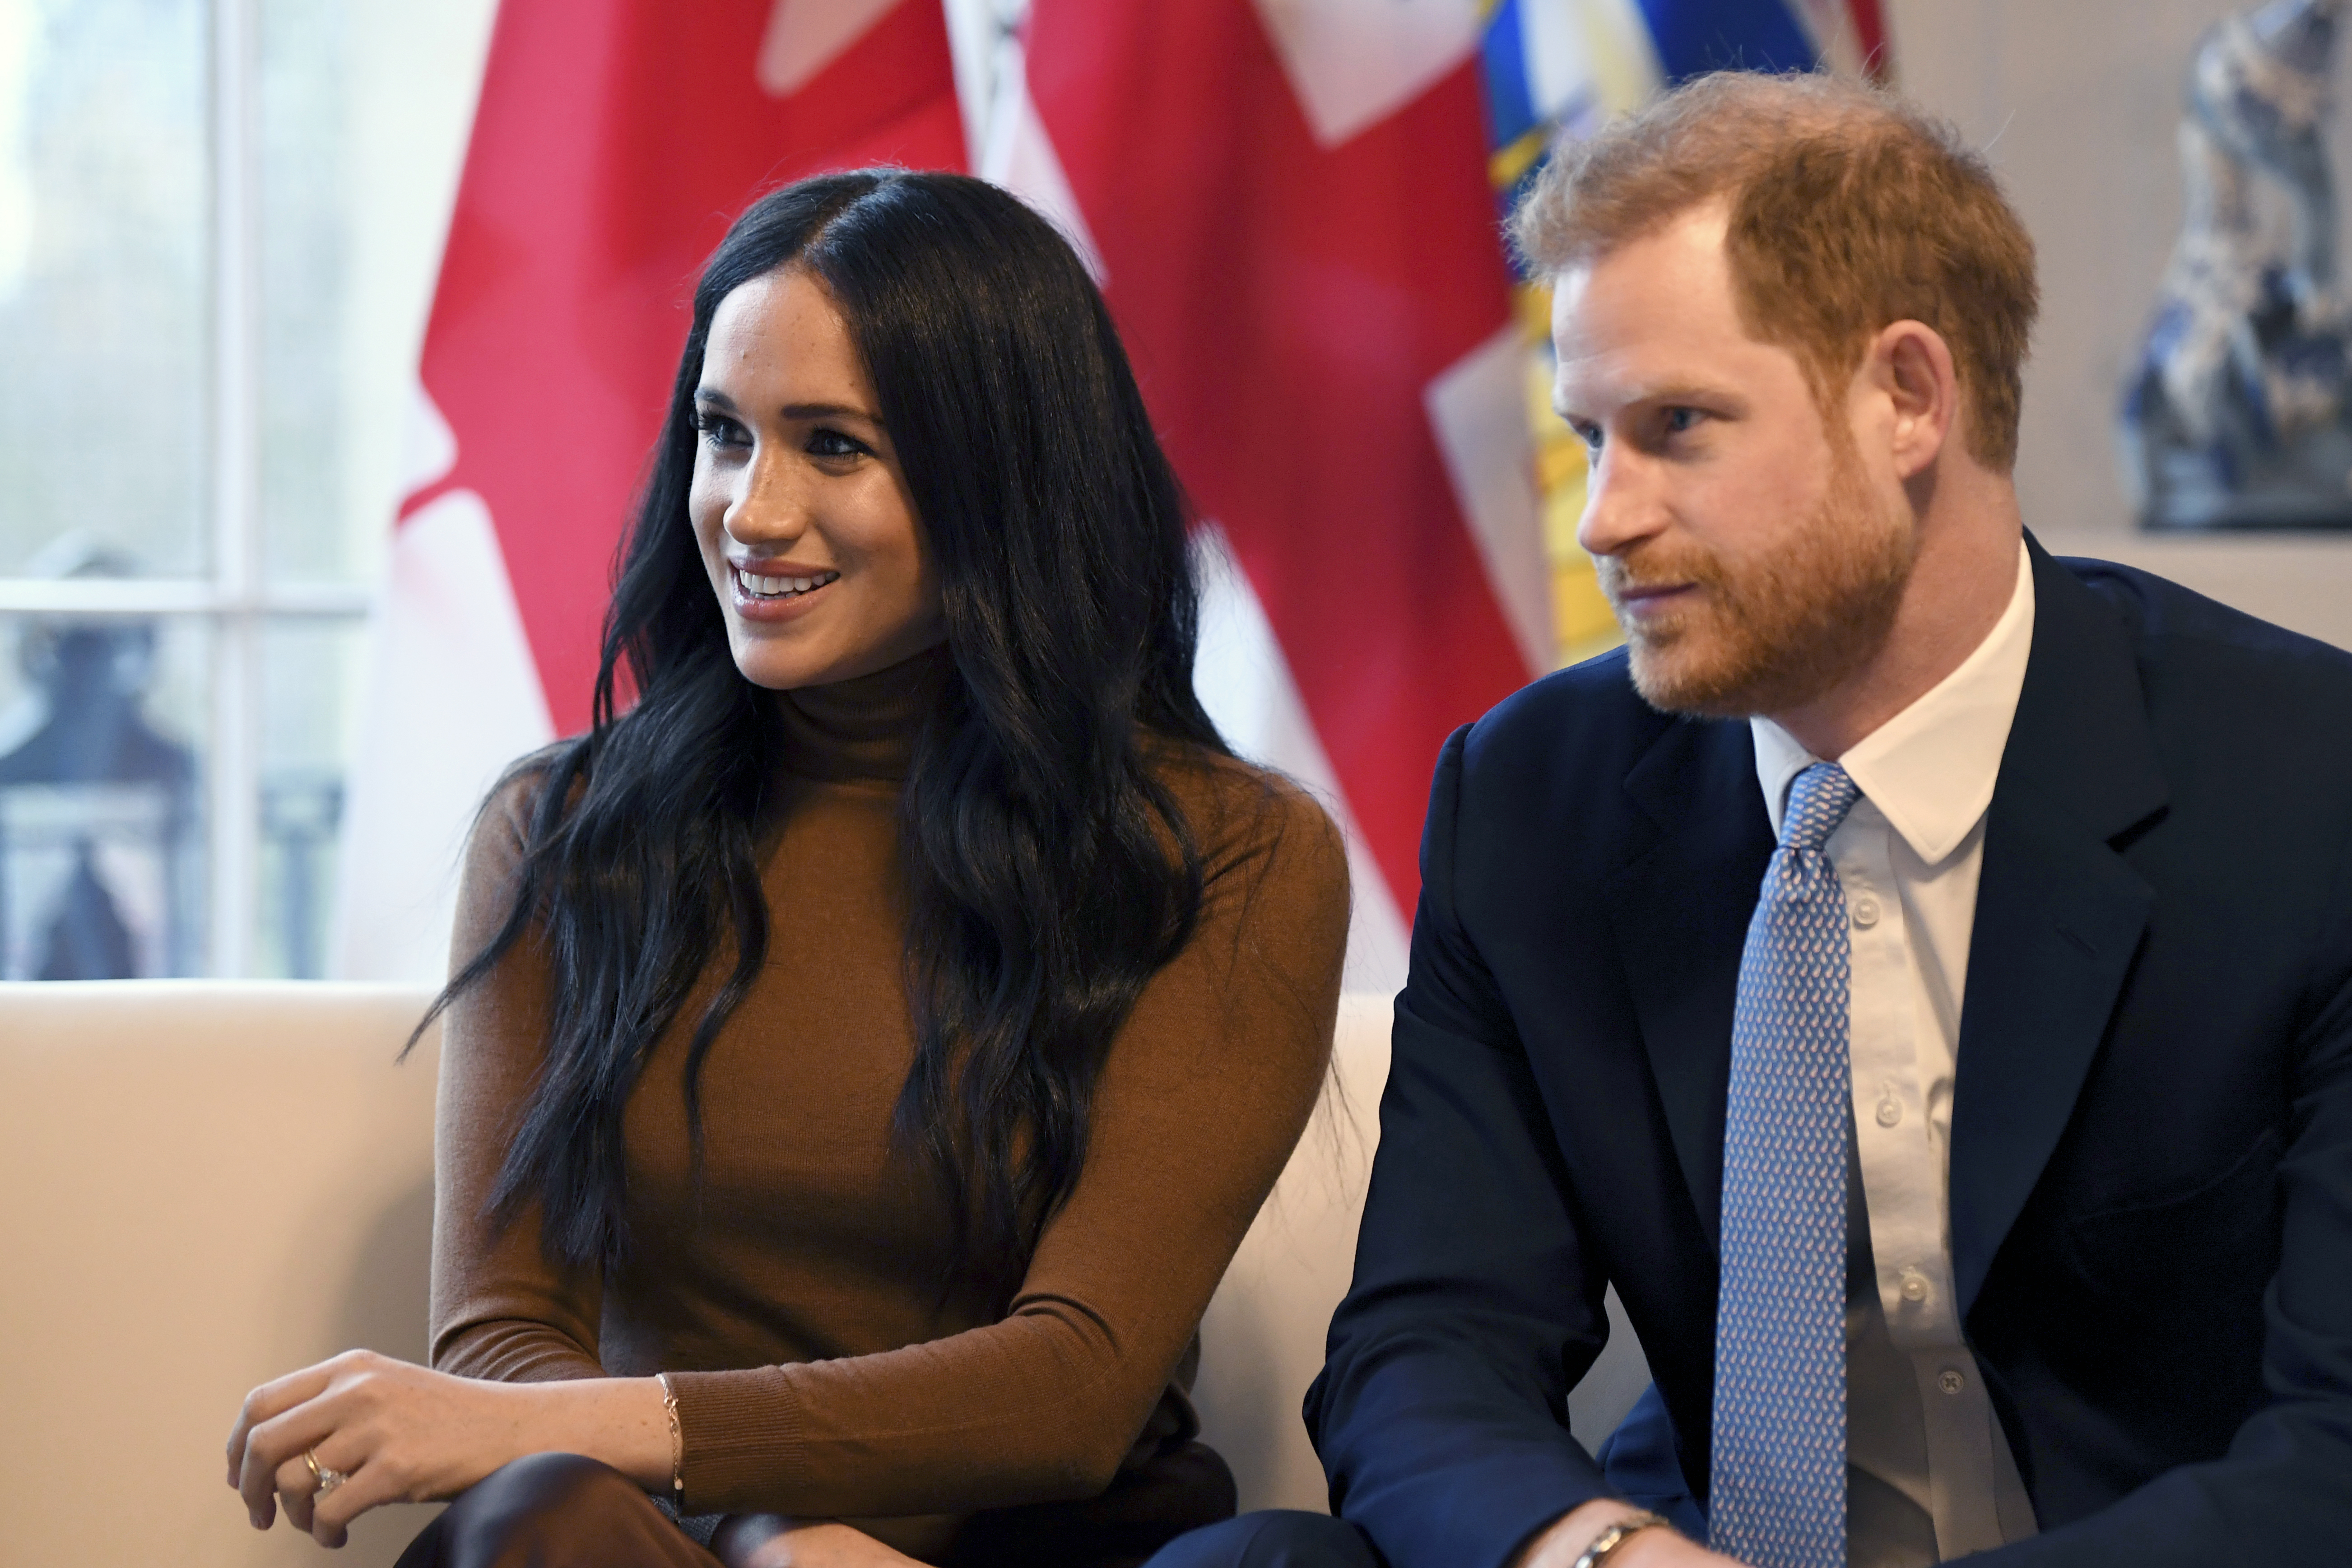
x=2239 y=413
x=97 y=807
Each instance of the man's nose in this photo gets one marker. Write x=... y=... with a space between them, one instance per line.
x=1620 y=505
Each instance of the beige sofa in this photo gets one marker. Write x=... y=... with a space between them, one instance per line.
x=210 y=1184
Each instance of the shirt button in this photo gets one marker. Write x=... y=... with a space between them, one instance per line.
x=1950 y=1380
x=1890 y=1111
x=1915 y=1286
x=1866 y=914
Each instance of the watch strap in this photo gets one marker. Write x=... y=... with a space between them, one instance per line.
x=1613 y=1536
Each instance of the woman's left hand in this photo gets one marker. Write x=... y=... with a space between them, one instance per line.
x=393 y=1431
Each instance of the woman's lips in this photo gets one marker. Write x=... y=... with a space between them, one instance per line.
x=778 y=591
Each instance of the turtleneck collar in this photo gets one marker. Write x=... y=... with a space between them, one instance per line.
x=863 y=727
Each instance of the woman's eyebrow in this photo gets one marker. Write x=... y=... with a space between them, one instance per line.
x=724 y=403
x=828 y=411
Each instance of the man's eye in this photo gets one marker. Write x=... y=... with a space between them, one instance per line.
x=1588 y=433
x=1678 y=420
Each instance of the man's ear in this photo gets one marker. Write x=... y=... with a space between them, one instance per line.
x=1910 y=366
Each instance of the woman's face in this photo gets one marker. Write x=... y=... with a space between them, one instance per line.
x=798 y=502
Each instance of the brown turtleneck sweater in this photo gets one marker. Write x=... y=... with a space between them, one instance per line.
x=820 y=1374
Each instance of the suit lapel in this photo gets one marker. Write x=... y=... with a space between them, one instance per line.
x=1680 y=911
x=2059 y=912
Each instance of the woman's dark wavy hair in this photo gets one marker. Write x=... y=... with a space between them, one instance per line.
x=1050 y=873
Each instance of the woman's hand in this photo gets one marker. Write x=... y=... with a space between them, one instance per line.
x=401 y=1433
x=771 y=1541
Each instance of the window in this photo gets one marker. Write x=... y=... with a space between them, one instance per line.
x=218 y=227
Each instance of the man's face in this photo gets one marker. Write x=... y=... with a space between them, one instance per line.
x=1752 y=556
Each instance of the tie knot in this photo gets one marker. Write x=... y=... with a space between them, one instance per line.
x=1818 y=802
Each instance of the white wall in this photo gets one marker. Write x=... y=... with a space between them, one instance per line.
x=2077 y=100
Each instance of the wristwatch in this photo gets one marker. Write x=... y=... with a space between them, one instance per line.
x=1613 y=1536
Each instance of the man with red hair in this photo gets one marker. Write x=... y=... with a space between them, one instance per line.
x=1916 y=972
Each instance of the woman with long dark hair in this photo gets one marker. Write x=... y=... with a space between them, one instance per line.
x=873 y=1041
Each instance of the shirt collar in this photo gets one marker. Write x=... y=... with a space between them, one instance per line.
x=1930 y=769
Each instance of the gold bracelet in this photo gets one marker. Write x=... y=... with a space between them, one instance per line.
x=1613 y=1536
x=677 y=1444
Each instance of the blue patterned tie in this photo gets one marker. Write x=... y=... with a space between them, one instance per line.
x=1779 y=1489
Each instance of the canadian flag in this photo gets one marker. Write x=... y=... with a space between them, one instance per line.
x=614 y=141
x=1287 y=201
x=1288 y=205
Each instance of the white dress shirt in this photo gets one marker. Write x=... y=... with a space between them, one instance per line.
x=1930 y=1475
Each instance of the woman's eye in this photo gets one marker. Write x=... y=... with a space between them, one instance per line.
x=721 y=431
x=824 y=443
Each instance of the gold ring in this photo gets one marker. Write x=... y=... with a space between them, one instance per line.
x=328 y=1479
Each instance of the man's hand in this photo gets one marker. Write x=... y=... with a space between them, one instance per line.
x=771 y=1541
x=1658 y=1547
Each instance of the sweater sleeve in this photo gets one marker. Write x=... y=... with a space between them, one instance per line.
x=499 y=1309
x=1206 y=1089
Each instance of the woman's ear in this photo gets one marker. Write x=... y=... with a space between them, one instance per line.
x=1910 y=366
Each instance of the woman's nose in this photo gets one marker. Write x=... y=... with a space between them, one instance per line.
x=770 y=508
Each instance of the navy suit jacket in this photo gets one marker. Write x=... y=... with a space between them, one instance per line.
x=2151 y=1163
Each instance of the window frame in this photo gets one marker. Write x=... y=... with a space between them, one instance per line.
x=235 y=596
